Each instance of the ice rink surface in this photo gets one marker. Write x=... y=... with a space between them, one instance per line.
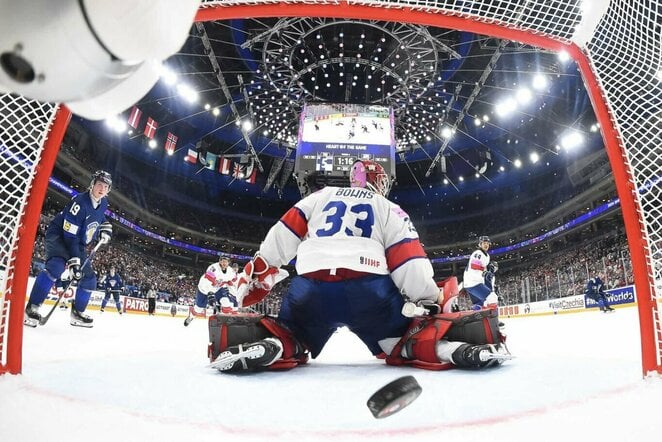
x=146 y=378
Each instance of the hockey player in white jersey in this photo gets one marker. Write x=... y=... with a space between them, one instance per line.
x=215 y=287
x=478 y=278
x=359 y=260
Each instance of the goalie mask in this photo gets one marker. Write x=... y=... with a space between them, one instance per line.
x=370 y=175
x=104 y=177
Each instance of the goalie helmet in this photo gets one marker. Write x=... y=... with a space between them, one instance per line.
x=103 y=176
x=370 y=175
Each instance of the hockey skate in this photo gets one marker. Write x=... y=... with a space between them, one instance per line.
x=79 y=319
x=480 y=356
x=192 y=314
x=32 y=316
x=250 y=356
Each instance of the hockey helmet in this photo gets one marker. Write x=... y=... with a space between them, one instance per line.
x=103 y=176
x=484 y=238
x=369 y=175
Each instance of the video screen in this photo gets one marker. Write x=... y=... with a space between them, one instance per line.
x=333 y=136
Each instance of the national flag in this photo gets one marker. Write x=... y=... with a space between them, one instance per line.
x=150 y=128
x=171 y=143
x=250 y=172
x=192 y=156
x=211 y=161
x=134 y=117
x=251 y=177
x=224 y=166
x=238 y=171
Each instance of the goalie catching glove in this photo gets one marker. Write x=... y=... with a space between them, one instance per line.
x=256 y=281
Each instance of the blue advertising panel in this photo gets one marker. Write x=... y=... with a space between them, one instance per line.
x=621 y=295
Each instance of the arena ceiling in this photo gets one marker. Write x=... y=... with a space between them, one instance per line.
x=473 y=114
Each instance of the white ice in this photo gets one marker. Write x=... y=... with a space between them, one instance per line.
x=146 y=378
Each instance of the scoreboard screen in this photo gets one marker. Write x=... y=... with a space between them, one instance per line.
x=333 y=136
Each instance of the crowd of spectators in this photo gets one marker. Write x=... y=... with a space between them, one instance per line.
x=200 y=206
x=248 y=219
x=566 y=272
x=554 y=275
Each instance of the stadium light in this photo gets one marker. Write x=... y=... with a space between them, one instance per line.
x=506 y=107
x=539 y=82
x=116 y=124
x=187 y=93
x=168 y=76
x=524 y=95
x=572 y=140
x=563 y=56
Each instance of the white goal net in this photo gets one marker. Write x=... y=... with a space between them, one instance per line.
x=617 y=46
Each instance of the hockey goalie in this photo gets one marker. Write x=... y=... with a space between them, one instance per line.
x=360 y=264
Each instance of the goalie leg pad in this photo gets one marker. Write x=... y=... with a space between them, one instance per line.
x=232 y=330
x=477 y=327
x=418 y=346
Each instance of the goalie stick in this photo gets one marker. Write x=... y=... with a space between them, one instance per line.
x=45 y=319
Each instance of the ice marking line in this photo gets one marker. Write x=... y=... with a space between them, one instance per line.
x=335 y=433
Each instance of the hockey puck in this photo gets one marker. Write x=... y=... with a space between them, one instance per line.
x=394 y=396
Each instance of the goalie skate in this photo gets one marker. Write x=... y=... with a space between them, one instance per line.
x=79 y=319
x=480 y=356
x=251 y=356
x=32 y=316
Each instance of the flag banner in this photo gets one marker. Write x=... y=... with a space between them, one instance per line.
x=171 y=143
x=210 y=161
x=134 y=117
x=250 y=172
x=251 y=177
x=192 y=156
x=238 y=171
x=224 y=165
x=150 y=128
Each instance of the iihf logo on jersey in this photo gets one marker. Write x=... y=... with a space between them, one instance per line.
x=369 y=261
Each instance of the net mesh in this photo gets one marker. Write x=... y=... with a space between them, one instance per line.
x=624 y=51
x=23 y=128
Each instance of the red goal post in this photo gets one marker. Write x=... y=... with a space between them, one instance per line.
x=615 y=44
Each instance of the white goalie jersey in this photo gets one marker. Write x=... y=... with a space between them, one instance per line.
x=215 y=278
x=356 y=229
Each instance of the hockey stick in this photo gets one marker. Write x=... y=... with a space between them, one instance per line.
x=45 y=319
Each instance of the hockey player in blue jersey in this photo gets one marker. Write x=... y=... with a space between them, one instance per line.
x=82 y=220
x=595 y=291
x=113 y=286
